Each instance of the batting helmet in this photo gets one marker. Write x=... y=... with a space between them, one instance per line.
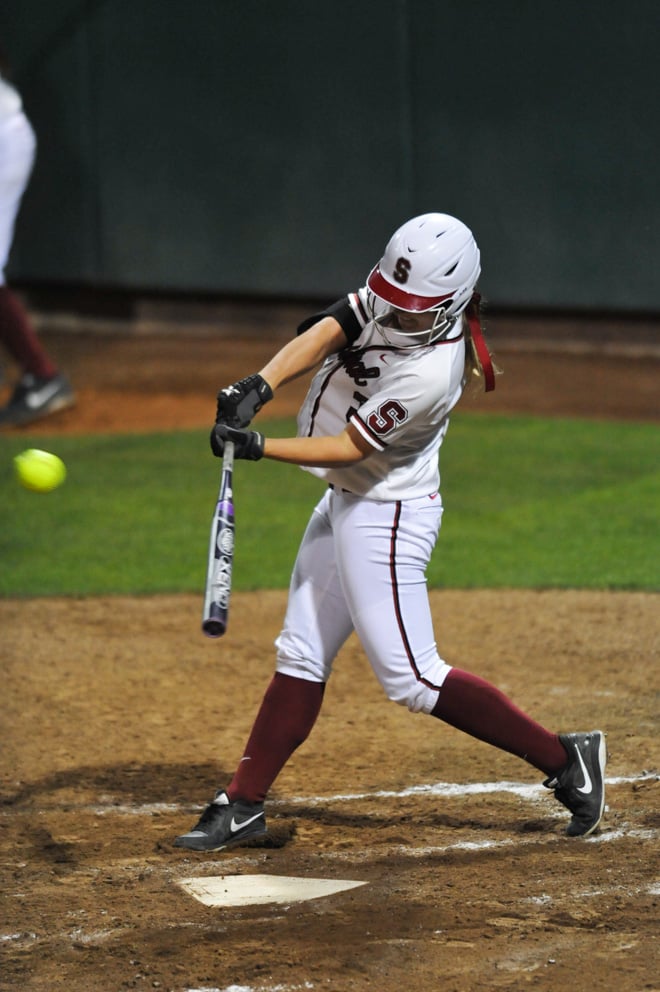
x=431 y=263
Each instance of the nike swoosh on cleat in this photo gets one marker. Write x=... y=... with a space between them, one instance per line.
x=587 y=787
x=37 y=397
x=234 y=826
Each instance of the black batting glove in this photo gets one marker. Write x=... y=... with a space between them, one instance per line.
x=247 y=444
x=238 y=403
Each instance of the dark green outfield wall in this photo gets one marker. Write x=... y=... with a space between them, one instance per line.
x=248 y=146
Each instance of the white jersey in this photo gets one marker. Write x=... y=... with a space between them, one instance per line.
x=399 y=400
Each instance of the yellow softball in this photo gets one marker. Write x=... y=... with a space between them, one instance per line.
x=39 y=471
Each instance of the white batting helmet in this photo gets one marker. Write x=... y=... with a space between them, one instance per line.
x=431 y=263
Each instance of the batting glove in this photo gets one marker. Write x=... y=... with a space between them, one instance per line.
x=247 y=444
x=238 y=403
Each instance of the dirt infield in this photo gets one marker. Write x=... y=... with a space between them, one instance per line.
x=162 y=368
x=119 y=719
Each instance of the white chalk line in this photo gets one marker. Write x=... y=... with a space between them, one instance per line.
x=448 y=790
x=488 y=846
x=258 y=988
x=457 y=789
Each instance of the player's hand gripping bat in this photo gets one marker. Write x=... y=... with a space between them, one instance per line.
x=221 y=553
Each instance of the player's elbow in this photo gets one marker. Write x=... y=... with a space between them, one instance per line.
x=355 y=448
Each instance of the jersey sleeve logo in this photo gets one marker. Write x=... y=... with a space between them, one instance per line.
x=389 y=415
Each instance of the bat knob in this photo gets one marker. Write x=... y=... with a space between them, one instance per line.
x=213 y=628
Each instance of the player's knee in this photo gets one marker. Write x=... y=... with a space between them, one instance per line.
x=299 y=664
x=416 y=697
x=419 y=694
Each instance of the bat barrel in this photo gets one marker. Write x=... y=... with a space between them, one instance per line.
x=221 y=551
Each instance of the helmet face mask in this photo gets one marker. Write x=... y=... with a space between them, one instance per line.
x=409 y=328
x=424 y=280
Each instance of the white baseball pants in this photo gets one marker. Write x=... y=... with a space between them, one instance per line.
x=361 y=566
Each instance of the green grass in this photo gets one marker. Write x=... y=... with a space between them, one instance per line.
x=529 y=502
x=549 y=503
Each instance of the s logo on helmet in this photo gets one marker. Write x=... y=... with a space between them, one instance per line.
x=401 y=270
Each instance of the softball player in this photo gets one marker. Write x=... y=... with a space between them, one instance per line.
x=41 y=389
x=394 y=358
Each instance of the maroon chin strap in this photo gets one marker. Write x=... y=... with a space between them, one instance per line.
x=480 y=345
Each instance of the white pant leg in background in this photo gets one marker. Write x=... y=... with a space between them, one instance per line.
x=17 y=151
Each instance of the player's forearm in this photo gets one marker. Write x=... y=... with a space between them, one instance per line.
x=317 y=452
x=304 y=353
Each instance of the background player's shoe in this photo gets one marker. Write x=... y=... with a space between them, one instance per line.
x=34 y=398
x=224 y=822
x=580 y=785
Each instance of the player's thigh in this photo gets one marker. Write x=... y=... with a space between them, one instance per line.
x=383 y=551
x=317 y=620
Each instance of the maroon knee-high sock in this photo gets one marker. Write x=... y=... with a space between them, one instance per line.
x=20 y=338
x=473 y=705
x=287 y=714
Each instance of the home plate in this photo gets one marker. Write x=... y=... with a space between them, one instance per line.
x=253 y=890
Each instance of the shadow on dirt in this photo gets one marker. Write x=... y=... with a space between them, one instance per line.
x=118 y=785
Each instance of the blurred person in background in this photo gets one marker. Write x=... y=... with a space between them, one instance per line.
x=41 y=388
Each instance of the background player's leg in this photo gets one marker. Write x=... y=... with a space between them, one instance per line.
x=40 y=389
x=20 y=339
x=16 y=331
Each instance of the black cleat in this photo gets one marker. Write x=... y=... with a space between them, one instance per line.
x=224 y=823
x=35 y=398
x=580 y=785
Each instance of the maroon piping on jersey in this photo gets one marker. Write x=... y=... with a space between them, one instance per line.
x=317 y=401
x=397 y=604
